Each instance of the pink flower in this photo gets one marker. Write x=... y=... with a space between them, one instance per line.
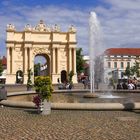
x=37 y=100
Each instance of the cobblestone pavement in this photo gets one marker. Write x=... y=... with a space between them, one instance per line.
x=69 y=125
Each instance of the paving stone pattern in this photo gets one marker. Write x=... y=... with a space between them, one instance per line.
x=69 y=125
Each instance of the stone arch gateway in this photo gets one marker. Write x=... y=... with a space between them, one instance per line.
x=23 y=46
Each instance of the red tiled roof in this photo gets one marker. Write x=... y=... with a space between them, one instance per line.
x=4 y=61
x=123 y=51
x=86 y=65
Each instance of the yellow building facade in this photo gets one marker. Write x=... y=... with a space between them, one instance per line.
x=59 y=49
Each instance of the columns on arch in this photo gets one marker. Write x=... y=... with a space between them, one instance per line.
x=8 y=61
x=54 y=60
x=25 y=60
x=12 y=61
x=72 y=59
x=31 y=61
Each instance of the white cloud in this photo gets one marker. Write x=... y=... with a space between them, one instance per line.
x=51 y=15
x=125 y=4
x=120 y=21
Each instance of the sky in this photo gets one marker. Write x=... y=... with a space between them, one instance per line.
x=119 y=19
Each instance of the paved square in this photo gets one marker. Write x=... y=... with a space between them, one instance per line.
x=68 y=125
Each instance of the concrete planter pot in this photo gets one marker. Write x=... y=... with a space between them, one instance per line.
x=45 y=108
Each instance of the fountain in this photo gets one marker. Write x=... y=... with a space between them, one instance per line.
x=94 y=49
x=94 y=41
x=73 y=99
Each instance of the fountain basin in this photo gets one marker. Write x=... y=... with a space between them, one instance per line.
x=76 y=106
x=20 y=100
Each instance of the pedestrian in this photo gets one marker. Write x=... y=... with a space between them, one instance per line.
x=58 y=80
x=119 y=86
x=85 y=82
x=131 y=85
x=124 y=85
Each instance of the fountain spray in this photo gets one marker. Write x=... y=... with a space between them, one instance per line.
x=94 y=43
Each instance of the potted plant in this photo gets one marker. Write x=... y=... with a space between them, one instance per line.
x=43 y=87
x=29 y=81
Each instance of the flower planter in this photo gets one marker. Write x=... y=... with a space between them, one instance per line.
x=45 y=108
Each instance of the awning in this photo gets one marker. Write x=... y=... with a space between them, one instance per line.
x=2 y=77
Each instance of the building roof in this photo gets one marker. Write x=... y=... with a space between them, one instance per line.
x=4 y=60
x=123 y=51
x=86 y=65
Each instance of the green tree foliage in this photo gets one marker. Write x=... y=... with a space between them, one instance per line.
x=135 y=69
x=1 y=68
x=79 y=61
x=37 y=69
x=43 y=86
x=130 y=71
x=70 y=76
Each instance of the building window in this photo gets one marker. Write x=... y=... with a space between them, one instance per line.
x=128 y=64
x=122 y=65
x=115 y=64
x=109 y=65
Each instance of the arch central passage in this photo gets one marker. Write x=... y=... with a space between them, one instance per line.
x=57 y=47
x=42 y=65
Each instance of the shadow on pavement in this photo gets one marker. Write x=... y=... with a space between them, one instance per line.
x=31 y=111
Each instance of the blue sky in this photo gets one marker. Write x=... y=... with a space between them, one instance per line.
x=119 y=19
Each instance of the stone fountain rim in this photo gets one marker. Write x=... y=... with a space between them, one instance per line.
x=72 y=106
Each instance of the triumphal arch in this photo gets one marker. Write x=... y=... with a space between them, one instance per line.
x=59 y=49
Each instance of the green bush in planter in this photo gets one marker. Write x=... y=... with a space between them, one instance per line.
x=43 y=86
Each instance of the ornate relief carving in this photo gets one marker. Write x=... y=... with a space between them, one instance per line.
x=19 y=53
x=27 y=27
x=18 y=65
x=63 y=54
x=41 y=51
x=56 y=28
x=42 y=27
x=72 y=29
x=63 y=59
x=11 y=27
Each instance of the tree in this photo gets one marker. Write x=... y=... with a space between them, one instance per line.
x=1 y=68
x=70 y=76
x=135 y=69
x=37 y=69
x=79 y=60
x=128 y=72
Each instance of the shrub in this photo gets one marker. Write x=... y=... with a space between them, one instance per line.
x=43 y=87
x=70 y=76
